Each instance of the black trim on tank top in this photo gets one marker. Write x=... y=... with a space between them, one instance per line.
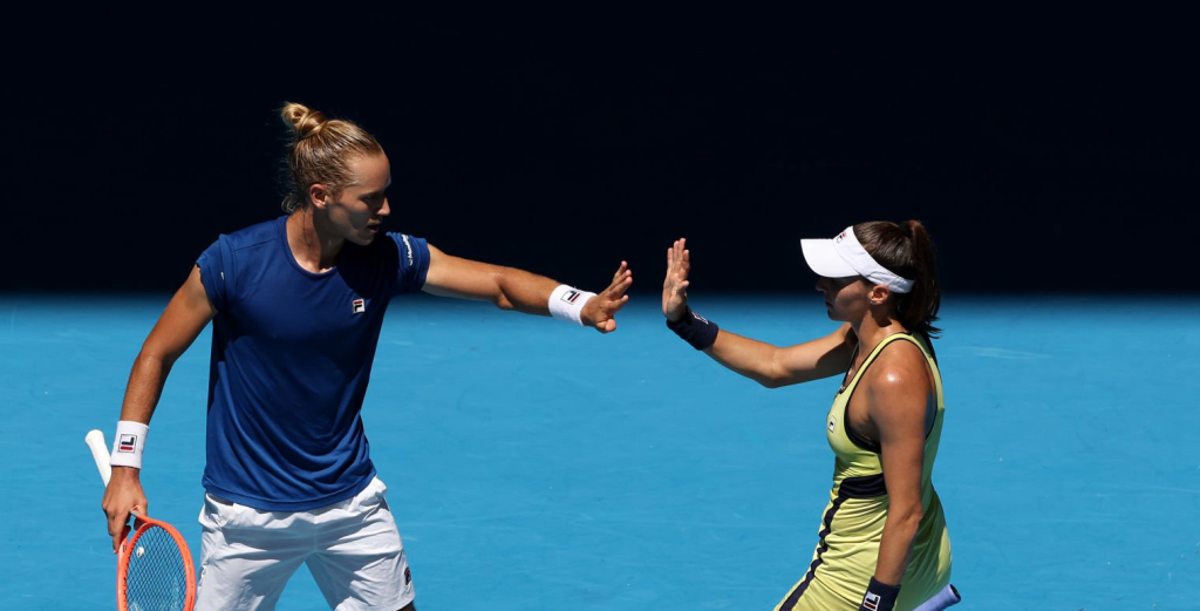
x=863 y=487
x=822 y=547
x=858 y=440
x=855 y=437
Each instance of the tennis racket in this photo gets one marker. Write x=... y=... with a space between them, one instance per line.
x=154 y=566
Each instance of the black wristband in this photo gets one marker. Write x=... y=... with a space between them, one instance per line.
x=695 y=330
x=879 y=597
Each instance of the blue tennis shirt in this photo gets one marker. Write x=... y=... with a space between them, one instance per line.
x=291 y=358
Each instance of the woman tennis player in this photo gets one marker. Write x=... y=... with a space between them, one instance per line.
x=297 y=303
x=882 y=543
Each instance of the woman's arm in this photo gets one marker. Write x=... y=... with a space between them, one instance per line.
x=510 y=288
x=774 y=366
x=764 y=363
x=900 y=406
x=184 y=318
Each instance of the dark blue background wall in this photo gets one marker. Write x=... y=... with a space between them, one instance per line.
x=1054 y=160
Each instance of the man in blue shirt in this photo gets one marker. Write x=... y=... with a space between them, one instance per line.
x=297 y=304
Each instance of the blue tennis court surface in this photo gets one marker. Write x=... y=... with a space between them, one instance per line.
x=532 y=465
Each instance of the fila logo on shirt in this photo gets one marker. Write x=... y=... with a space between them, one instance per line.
x=126 y=443
x=571 y=296
x=832 y=424
x=359 y=306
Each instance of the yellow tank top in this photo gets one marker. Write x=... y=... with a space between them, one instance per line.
x=853 y=521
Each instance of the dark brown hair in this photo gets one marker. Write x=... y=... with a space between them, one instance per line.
x=907 y=251
x=319 y=151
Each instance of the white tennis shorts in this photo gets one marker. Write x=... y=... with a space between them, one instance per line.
x=352 y=548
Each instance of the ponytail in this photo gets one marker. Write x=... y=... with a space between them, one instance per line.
x=908 y=251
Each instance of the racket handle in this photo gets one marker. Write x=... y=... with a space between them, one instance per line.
x=95 y=441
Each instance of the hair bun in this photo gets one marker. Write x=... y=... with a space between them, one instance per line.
x=303 y=120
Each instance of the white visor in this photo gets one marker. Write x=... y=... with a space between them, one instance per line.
x=844 y=256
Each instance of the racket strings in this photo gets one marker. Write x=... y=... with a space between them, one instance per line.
x=156 y=578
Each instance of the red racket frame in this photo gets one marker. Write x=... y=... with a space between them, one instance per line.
x=144 y=524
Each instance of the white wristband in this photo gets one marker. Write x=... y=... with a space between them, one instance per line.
x=567 y=302
x=128 y=444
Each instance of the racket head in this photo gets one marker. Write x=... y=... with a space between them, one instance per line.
x=154 y=569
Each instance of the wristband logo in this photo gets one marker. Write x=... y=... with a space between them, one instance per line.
x=571 y=296
x=127 y=443
x=359 y=306
x=871 y=601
